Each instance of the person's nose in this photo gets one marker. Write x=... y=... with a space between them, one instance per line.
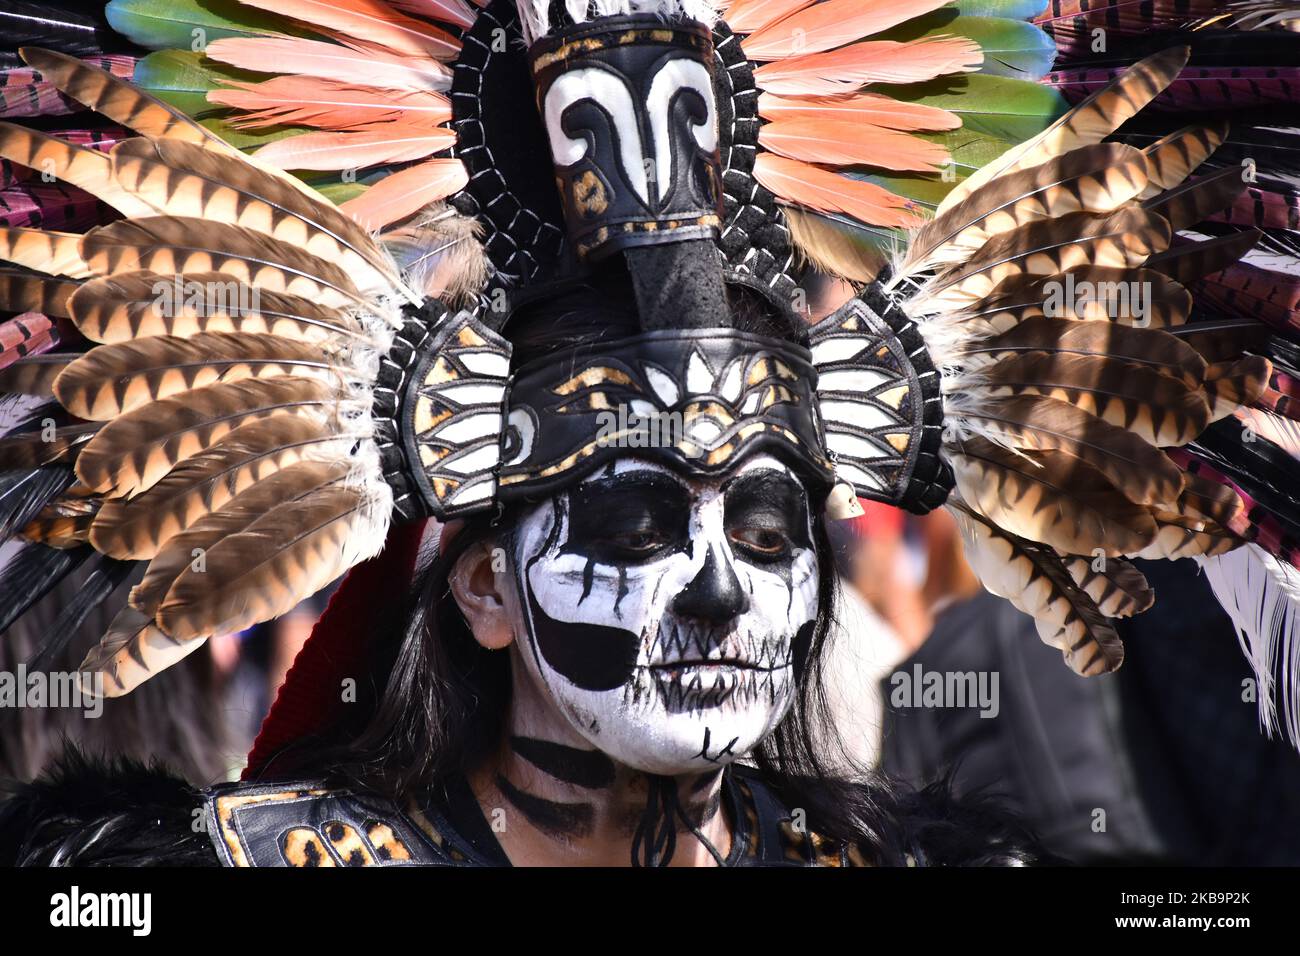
x=714 y=595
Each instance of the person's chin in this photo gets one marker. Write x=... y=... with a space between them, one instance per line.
x=672 y=744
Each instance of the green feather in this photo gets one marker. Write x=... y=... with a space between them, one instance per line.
x=339 y=193
x=183 y=79
x=1011 y=47
x=190 y=24
x=246 y=139
x=997 y=106
x=1008 y=9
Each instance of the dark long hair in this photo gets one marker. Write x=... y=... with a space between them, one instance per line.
x=438 y=699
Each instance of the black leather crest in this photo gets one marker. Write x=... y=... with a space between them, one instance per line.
x=630 y=110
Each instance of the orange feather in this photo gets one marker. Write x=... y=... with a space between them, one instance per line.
x=406 y=192
x=370 y=20
x=832 y=24
x=858 y=108
x=876 y=61
x=331 y=61
x=825 y=191
x=746 y=16
x=448 y=11
x=374 y=146
x=850 y=144
x=329 y=104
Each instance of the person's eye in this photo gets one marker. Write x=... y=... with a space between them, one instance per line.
x=634 y=545
x=763 y=542
x=639 y=540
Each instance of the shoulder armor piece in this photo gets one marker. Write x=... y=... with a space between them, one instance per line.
x=308 y=824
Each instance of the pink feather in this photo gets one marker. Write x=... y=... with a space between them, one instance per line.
x=405 y=193
x=826 y=191
x=329 y=104
x=832 y=24
x=379 y=144
x=876 y=61
x=370 y=20
x=362 y=67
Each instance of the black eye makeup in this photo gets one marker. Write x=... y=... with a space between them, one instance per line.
x=766 y=516
x=629 y=518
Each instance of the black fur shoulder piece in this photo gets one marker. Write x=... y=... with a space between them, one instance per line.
x=89 y=812
x=941 y=828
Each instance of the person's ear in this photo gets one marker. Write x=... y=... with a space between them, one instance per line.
x=478 y=583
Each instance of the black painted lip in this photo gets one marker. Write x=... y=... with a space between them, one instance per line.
x=725 y=662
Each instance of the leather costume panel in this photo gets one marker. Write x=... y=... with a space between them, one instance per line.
x=698 y=401
x=307 y=825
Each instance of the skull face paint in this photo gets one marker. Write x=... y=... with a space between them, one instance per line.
x=664 y=617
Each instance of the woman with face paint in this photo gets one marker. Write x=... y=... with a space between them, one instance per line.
x=546 y=389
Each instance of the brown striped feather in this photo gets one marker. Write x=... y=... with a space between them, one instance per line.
x=1037 y=423
x=121 y=102
x=1192 y=262
x=1153 y=348
x=284 y=556
x=1097 y=179
x=133 y=650
x=79 y=166
x=1124 y=239
x=1036 y=581
x=1162 y=410
x=134 y=451
x=53 y=253
x=110 y=380
x=292 y=484
x=29 y=451
x=35 y=374
x=1212 y=503
x=1124 y=296
x=137 y=528
x=1229 y=385
x=132 y=305
x=1172 y=158
x=181 y=246
x=1117 y=587
x=20 y=292
x=1049 y=497
x=184 y=179
x=1091 y=121
x=1191 y=202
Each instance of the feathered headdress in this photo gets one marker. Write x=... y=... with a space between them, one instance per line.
x=1051 y=328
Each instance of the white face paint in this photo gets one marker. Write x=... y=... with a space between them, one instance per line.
x=663 y=617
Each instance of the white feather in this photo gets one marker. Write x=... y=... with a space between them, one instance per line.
x=1262 y=597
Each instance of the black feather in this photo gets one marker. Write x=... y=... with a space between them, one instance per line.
x=103 y=581
x=1284 y=354
x=24 y=494
x=31 y=573
x=1261 y=469
x=76 y=28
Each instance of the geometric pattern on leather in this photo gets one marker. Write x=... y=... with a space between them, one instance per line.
x=696 y=400
x=452 y=412
x=874 y=403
